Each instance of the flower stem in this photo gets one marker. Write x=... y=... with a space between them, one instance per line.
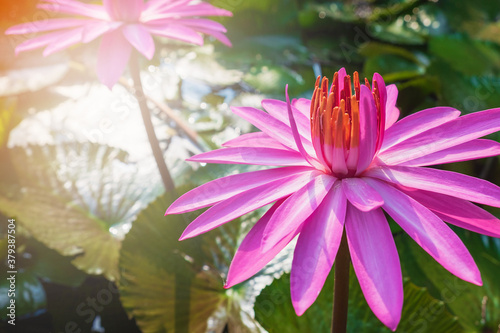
x=341 y=287
x=146 y=117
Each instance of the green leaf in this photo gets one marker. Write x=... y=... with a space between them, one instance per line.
x=49 y=265
x=470 y=57
x=476 y=307
x=77 y=309
x=172 y=286
x=271 y=79
x=421 y=312
x=491 y=32
x=75 y=199
x=276 y=49
x=371 y=49
x=466 y=93
x=29 y=295
x=397 y=32
x=35 y=74
x=7 y=108
x=392 y=67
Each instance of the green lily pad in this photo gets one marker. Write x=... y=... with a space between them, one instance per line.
x=271 y=79
x=393 y=67
x=421 y=312
x=74 y=198
x=93 y=305
x=172 y=286
x=466 y=93
x=477 y=308
x=29 y=295
x=372 y=49
x=470 y=57
x=32 y=78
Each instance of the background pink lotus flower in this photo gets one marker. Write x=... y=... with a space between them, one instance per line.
x=345 y=158
x=123 y=24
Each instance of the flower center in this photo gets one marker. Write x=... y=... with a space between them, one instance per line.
x=335 y=121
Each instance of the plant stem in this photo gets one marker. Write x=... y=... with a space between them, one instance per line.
x=341 y=287
x=146 y=117
x=192 y=135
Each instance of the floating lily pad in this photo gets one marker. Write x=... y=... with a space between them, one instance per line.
x=421 y=312
x=172 y=286
x=29 y=295
x=76 y=199
x=31 y=79
x=470 y=57
x=476 y=307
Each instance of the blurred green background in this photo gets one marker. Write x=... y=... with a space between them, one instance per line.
x=95 y=253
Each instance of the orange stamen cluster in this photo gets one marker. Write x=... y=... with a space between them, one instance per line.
x=335 y=114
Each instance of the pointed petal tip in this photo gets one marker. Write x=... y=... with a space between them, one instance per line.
x=170 y=211
x=474 y=278
x=478 y=282
x=390 y=321
x=185 y=236
x=299 y=308
x=393 y=327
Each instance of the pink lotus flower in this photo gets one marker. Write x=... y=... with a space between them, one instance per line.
x=345 y=158
x=122 y=24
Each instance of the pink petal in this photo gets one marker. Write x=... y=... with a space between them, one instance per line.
x=249 y=258
x=296 y=209
x=417 y=123
x=272 y=127
x=95 y=29
x=432 y=234
x=124 y=10
x=361 y=195
x=459 y=212
x=65 y=40
x=223 y=188
x=391 y=111
x=255 y=139
x=304 y=106
x=199 y=23
x=153 y=6
x=46 y=39
x=376 y=263
x=298 y=138
x=377 y=78
x=140 y=38
x=440 y=181
x=246 y=202
x=279 y=110
x=250 y=155
x=367 y=129
x=479 y=148
x=341 y=77
x=200 y=9
x=453 y=133
x=316 y=249
x=45 y=25
x=217 y=35
x=114 y=54
x=177 y=32
x=75 y=8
